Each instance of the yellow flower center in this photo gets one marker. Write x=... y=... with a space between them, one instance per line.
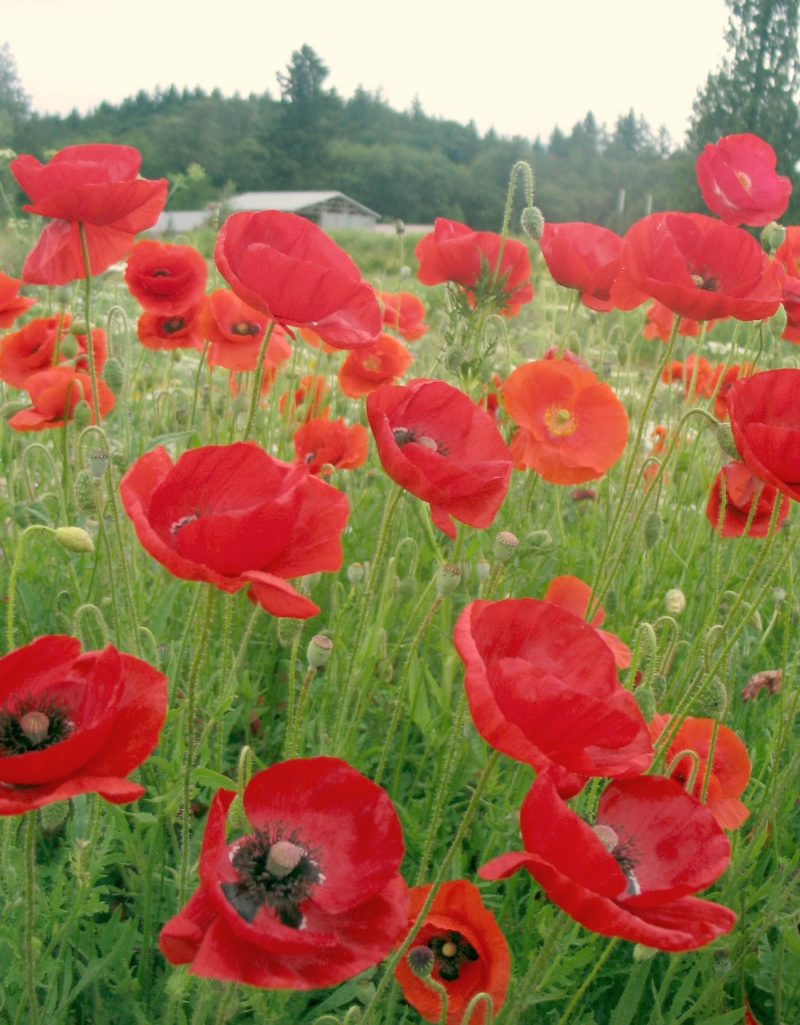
x=744 y=180
x=560 y=422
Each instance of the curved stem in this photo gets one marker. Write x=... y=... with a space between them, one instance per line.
x=12 y=579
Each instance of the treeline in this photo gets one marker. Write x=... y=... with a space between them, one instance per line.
x=404 y=165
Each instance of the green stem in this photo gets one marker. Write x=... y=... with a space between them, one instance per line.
x=258 y=379
x=12 y=579
x=578 y=996
x=296 y=725
x=30 y=918
x=86 y=304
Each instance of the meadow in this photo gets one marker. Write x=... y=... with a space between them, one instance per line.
x=214 y=807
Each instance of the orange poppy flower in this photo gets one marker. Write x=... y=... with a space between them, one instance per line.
x=726 y=381
x=170 y=331
x=572 y=427
x=403 y=313
x=308 y=398
x=323 y=443
x=365 y=370
x=11 y=304
x=54 y=395
x=470 y=953
x=574 y=595
x=730 y=769
x=704 y=379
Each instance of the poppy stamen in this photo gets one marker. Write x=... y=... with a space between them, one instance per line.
x=32 y=726
x=172 y=325
x=450 y=951
x=245 y=328
x=560 y=422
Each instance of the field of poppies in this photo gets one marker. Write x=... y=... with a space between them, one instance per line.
x=412 y=645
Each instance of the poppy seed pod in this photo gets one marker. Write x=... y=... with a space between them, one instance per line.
x=448 y=577
x=319 y=651
x=675 y=601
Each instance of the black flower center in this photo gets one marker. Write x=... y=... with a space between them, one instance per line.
x=169 y=327
x=161 y=273
x=623 y=852
x=244 y=328
x=450 y=951
x=705 y=281
x=405 y=435
x=32 y=725
x=273 y=870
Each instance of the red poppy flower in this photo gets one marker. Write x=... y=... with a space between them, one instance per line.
x=568 y=355
x=492 y=270
x=232 y=515
x=742 y=491
x=573 y=427
x=436 y=443
x=697 y=267
x=54 y=395
x=698 y=376
x=322 y=443
x=633 y=874
x=748 y=1014
x=790 y=297
x=308 y=400
x=97 y=186
x=31 y=349
x=724 y=378
x=738 y=181
x=659 y=323
x=585 y=257
x=74 y=724
x=166 y=279
x=788 y=252
x=236 y=331
x=469 y=950
x=365 y=370
x=309 y=898
x=290 y=269
x=542 y=688
x=404 y=314
x=730 y=769
x=765 y=420
x=574 y=595
x=11 y=304
x=171 y=331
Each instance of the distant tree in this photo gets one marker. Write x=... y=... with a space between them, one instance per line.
x=304 y=126
x=15 y=104
x=756 y=88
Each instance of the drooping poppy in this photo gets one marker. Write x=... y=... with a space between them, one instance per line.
x=543 y=689
x=742 y=491
x=11 y=304
x=573 y=428
x=574 y=595
x=633 y=874
x=730 y=767
x=724 y=378
x=308 y=399
x=697 y=375
x=235 y=332
x=54 y=394
x=788 y=252
x=790 y=297
x=96 y=186
x=658 y=323
x=233 y=516
x=404 y=314
x=435 y=442
x=739 y=183
x=764 y=412
x=493 y=271
x=321 y=443
x=696 y=266
x=310 y=897
x=31 y=349
x=365 y=370
x=170 y=331
x=288 y=268
x=584 y=257
x=469 y=950
x=73 y=723
x=166 y=279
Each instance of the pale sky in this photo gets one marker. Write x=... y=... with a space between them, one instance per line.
x=519 y=67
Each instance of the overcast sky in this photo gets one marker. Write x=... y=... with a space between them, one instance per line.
x=518 y=67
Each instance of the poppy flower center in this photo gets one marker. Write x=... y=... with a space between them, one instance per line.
x=245 y=328
x=705 y=282
x=450 y=951
x=744 y=180
x=560 y=421
x=621 y=853
x=32 y=726
x=161 y=273
x=273 y=871
x=405 y=435
x=169 y=327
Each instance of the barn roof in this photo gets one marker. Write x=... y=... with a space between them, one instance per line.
x=296 y=202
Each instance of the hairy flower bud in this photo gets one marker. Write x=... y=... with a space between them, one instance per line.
x=74 y=539
x=713 y=702
x=652 y=529
x=532 y=222
x=83 y=488
x=420 y=961
x=82 y=414
x=114 y=374
x=645 y=699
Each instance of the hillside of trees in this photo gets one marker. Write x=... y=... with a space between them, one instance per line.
x=414 y=167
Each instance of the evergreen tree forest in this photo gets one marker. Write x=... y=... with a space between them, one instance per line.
x=404 y=165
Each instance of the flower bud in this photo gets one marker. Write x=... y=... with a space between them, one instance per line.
x=532 y=222
x=645 y=699
x=659 y=685
x=97 y=463
x=713 y=702
x=675 y=601
x=505 y=545
x=83 y=489
x=114 y=374
x=724 y=436
x=355 y=572
x=420 y=961
x=448 y=578
x=78 y=327
x=407 y=588
x=777 y=322
x=611 y=601
x=237 y=819
x=652 y=529
x=74 y=539
x=319 y=651
x=9 y=409
x=288 y=630
x=365 y=991
x=773 y=235
x=82 y=414
x=53 y=816
x=539 y=541
x=482 y=570
x=68 y=347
